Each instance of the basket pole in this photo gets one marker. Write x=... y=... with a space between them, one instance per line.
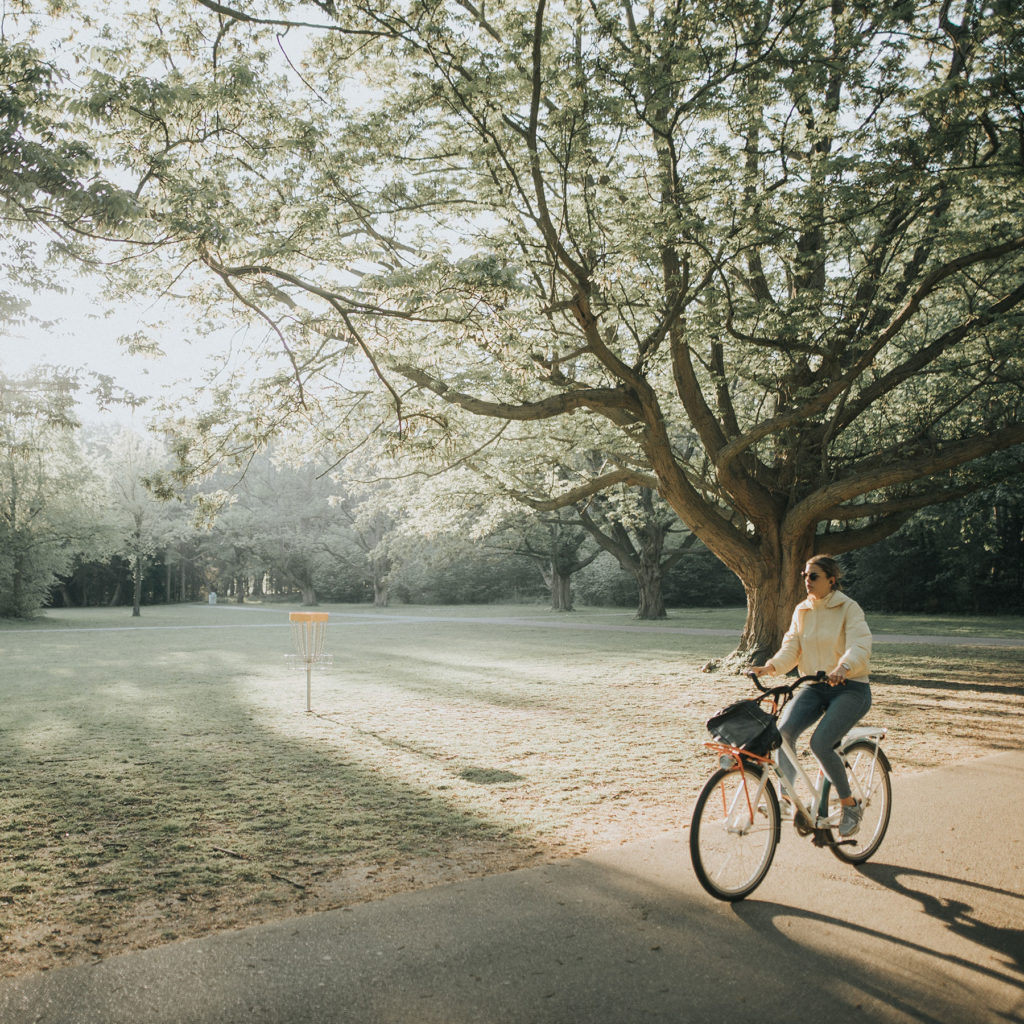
x=311 y=629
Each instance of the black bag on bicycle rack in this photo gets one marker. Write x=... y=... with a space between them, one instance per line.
x=747 y=725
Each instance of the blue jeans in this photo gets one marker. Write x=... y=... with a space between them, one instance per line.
x=839 y=708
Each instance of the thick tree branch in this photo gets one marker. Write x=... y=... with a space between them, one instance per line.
x=813 y=407
x=615 y=404
x=923 y=356
x=853 y=539
x=586 y=490
x=908 y=504
x=873 y=476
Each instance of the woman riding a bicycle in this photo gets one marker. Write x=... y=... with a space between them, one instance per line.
x=827 y=634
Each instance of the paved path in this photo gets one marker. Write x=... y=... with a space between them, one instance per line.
x=931 y=931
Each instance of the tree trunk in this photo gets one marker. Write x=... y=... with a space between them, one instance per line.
x=381 y=597
x=17 y=588
x=137 y=588
x=651 y=600
x=768 y=614
x=308 y=593
x=773 y=591
x=771 y=581
x=561 y=591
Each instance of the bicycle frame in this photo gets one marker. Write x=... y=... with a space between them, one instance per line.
x=819 y=789
x=816 y=815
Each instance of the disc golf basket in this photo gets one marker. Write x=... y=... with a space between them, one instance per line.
x=308 y=632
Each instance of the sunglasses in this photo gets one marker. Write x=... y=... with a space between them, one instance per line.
x=812 y=576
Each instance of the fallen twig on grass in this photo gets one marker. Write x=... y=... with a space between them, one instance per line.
x=230 y=853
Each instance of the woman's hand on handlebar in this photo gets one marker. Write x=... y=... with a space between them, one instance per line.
x=837 y=676
x=753 y=673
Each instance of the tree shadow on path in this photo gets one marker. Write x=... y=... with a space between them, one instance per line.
x=960 y=917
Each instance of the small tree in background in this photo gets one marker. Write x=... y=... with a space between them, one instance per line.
x=51 y=507
x=144 y=524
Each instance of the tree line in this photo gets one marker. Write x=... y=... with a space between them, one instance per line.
x=82 y=525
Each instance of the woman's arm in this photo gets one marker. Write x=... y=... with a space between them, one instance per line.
x=858 y=642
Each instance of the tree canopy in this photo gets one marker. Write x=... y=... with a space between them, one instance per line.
x=770 y=252
x=54 y=199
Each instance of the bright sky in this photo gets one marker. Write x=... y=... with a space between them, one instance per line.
x=81 y=335
x=81 y=331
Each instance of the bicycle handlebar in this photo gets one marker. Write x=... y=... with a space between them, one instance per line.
x=778 y=691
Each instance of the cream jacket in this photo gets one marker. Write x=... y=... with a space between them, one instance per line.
x=824 y=634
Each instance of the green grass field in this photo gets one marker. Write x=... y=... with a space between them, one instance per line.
x=160 y=777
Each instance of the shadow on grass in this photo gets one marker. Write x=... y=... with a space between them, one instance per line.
x=951 y=685
x=996 y=673
x=489 y=776
x=146 y=793
x=427 y=672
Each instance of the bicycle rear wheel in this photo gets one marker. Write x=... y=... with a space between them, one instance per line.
x=868 y=769
x=734 y=832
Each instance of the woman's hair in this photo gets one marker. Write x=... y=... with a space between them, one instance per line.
x=829 y=566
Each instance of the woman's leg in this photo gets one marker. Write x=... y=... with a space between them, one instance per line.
x=800 y=714
x=847 y=706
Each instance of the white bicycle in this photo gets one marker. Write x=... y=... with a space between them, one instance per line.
x=737 y=820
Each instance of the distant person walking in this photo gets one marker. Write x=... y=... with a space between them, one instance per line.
x=828 y=633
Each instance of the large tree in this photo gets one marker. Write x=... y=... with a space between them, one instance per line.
x=283 y=521
x=644 y=538
x=776 y=246
x=631 y=523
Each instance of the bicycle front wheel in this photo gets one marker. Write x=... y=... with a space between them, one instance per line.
x=868 y=769
x=734 y=832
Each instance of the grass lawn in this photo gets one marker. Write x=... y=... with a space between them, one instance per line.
x=160 y=777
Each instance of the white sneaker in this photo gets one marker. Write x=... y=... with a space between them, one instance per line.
x=850 y=823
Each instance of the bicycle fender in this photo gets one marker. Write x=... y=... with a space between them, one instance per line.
x=864 y=732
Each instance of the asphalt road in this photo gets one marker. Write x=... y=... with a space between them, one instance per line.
x=930 y=931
